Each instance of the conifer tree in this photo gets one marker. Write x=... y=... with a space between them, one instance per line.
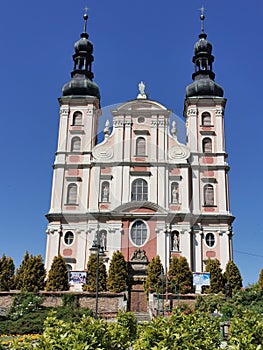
x=91 y=275
x=21 y=272
x=216 y=276
x=154 y=277
x=233 y=277
x=7 y=272
x=58 y=275
x=180 y=276
x=30 y=276
x=260 y=279
x=118 y=273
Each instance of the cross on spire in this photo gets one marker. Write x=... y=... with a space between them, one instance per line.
x=202 y=17
x=85 y=18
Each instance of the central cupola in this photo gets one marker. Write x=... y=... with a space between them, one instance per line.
x=203 y=76
x=81 y=83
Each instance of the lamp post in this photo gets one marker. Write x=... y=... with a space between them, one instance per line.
x=97 y=246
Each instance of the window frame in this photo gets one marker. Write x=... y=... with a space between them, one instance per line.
x=146 y=228
x=69 y=186
x=76 y=114
x=210 y=186
x=205 y=141
x=74 y=140
x=207 y=242
x=203 y=116
x=72 y=239
x=137 y=147
x=143 y=192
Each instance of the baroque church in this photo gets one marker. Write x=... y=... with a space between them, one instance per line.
x=138 y=189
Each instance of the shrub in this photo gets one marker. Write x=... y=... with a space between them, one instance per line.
x=91 y=274
x=180 y=276
x=233 y=277
x=153 y=280
x=118 y=273
x=58 y=275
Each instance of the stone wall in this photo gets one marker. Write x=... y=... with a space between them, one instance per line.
x=108 y=305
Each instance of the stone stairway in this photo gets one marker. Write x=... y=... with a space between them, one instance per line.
x=142 y=317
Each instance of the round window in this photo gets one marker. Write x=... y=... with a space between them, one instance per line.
x=69 y=238
x=210 y=240
x=139 y=233
x=141 y=120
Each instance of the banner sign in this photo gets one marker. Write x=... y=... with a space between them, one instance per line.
x=201 y=278
x=77 y=277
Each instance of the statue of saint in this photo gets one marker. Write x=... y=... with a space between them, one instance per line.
x=142 y=94
x=174 y=195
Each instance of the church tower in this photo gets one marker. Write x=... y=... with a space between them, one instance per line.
x=79 y=112
x=204 y=112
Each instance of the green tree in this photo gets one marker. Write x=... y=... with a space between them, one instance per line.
x=118 y=273
x=216 y=276
x=233 y=277
x=58 y=275
x=30 y=276
x=180 y=276
x=7 y=272
x=91 y=274
x=260 y=279
x=153 y=280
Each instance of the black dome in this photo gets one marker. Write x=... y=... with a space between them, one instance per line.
x=83 y=44
x=204 y=86
x=81 y=85
x=203 y=45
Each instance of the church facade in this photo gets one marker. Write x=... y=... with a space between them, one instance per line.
x=140 y=190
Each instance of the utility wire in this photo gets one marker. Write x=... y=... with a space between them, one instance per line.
x=246 y=253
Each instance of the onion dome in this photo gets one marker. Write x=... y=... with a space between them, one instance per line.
x=82 y=75
x=203 y=76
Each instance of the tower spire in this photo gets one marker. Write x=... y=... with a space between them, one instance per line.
x=85 y=16
x=202 y=17
x=82 y=75
x=203 y=75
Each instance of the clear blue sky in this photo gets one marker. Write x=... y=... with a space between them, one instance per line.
x=134 y=40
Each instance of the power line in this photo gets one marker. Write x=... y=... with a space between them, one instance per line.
x=246 y=253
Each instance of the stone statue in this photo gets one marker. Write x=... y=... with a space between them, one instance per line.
x=174 y=195
x=142 y=94
x=175 y=242
x=174 y=129
x=105 y=193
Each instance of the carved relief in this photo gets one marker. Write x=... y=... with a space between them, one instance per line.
x=139 y=255
x=192 y=111
x=178 y=152
x=103 y=153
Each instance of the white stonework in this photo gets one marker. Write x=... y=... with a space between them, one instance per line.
x=140 y=147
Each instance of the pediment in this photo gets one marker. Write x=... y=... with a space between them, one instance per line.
x=140 y=207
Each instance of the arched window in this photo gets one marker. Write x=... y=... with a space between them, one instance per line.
x=68 y=238
x=206 y=119
x=138 y=233
x=209 y=195
x=75 y=144
x=77 y=118
x=174 y=192
x=72 y=194
x=103 y=239
x=140 y=146
x=139 y=190
x=105 y=191
x=207 y=145
x=175 y=241
x=210 y=240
